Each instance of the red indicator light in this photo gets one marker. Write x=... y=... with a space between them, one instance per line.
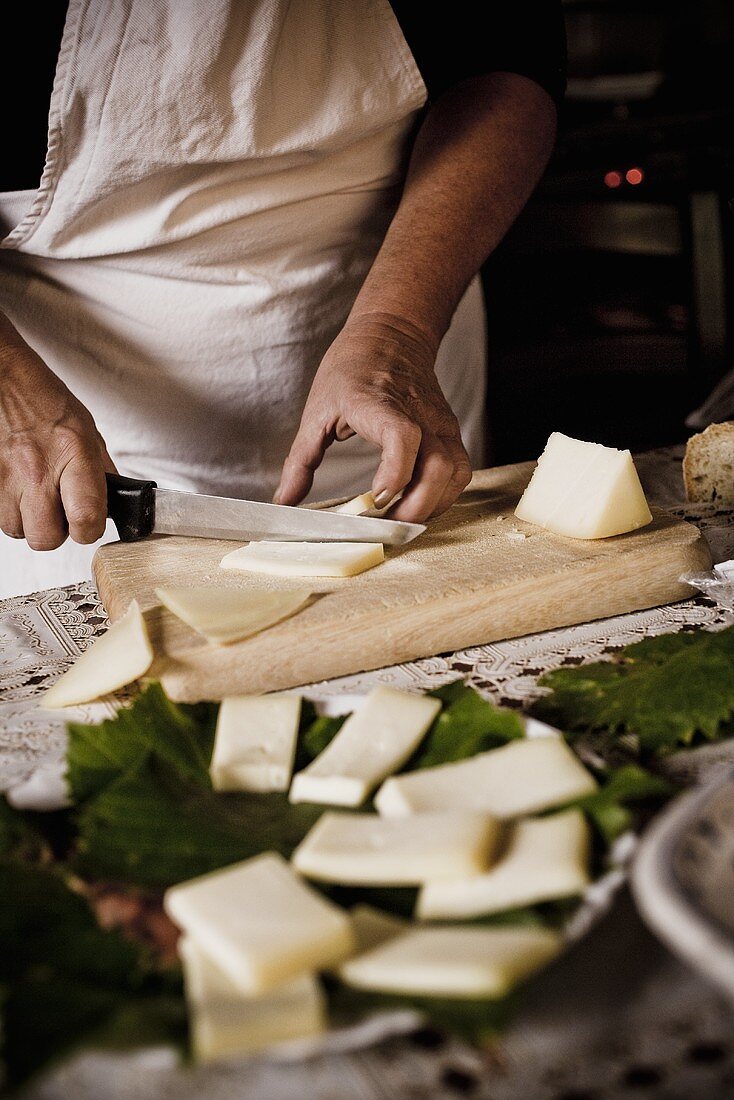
x=634 y=176
x=613 y=179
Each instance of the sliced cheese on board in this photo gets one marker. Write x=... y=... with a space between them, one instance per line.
x=260 y=923
x=224 y=1024
x=306 y=559
x=357 y=506
x=453 y=962
x=122 y=654
x=255 y=742
x=374 y=741
x=523 y=777
x=545 y=858
x=584 y=490
x=225 y=615
x=372 y=927
x=367 y=850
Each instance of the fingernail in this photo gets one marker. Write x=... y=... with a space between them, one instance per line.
x=276 y=496
x=383 y=497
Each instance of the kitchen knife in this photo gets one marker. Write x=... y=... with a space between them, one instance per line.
x=140 y=508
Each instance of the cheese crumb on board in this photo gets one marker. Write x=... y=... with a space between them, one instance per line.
x=546 y=858
x=453 y=962
x=523 y=777
x=366 y=850
x=255 y=742
x=357 y=506
x=122 y=654
x=224 y=1024
x=584 y=491
x=225 y=615
x=260 y=923
x=374 y=741
x=306 y=559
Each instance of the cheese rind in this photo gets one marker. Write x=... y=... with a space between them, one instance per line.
x=225 y=615
x=546 y=858
x=255 y=743
x=523 y=777
x=584 y=491
x=453 y=962
x=366 y=850
x=259 y=923
x=306 y=559
x=122 y=654
x=374 y=741
x=224 y=1024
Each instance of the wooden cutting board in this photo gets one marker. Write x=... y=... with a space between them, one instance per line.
x=469 y=580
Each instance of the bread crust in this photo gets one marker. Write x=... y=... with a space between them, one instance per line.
x=708 y=465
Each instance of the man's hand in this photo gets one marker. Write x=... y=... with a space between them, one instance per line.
x=52 y=458
x=377 y=381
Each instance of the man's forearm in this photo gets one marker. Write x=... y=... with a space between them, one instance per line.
x=477 y=157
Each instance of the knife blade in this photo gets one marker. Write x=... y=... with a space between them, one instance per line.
x=139 y=508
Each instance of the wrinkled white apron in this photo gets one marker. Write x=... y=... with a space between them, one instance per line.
x=220 y=175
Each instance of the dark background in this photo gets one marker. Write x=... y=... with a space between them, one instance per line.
x=609 y=303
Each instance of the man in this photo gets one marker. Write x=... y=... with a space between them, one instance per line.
x=253 y=237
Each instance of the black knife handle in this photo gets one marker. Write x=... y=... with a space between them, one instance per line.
x=131 y=506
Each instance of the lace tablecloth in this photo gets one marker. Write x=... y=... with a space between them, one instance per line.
x=616 y=1017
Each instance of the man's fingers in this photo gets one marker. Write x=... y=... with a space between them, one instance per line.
x=303 y=460
x=44 y=524
x=84 y=497
x=107 y=464
x=459 y=479
x=400 y=443
x=433 y=472
x=11 y=521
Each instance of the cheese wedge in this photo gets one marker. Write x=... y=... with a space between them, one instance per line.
x=374 y=741
x=224 y=615
x=584 y=491
x=255 y=742
x=371 y=927
x=122 y=654
x=259 y=923
x=366 y=850
x=306 y=559
x=357 y=506
x=453 y=962
x=546 y=858
x=520 y=778
x=224 y=1024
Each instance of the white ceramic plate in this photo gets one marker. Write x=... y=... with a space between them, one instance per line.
x=683 y=878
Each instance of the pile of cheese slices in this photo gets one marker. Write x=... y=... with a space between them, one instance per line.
x=475 y=836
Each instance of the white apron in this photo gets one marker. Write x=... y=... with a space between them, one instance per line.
x=220 y=175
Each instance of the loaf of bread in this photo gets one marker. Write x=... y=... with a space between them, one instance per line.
x=708 y=465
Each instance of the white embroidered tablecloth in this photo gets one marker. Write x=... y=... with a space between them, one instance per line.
x=616 y=1017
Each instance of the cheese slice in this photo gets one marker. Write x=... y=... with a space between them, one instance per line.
x=545 y=858
x=122 y=654
x=366 y=850
x=371 y=927
x=224 y=1024
x=255 y=742
x=453 y=962
x=306 y=559
x=260 y=923
x=225 y=615
x=374 y=741
x=584 y=491
x=523 y=777
x=357 y=506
